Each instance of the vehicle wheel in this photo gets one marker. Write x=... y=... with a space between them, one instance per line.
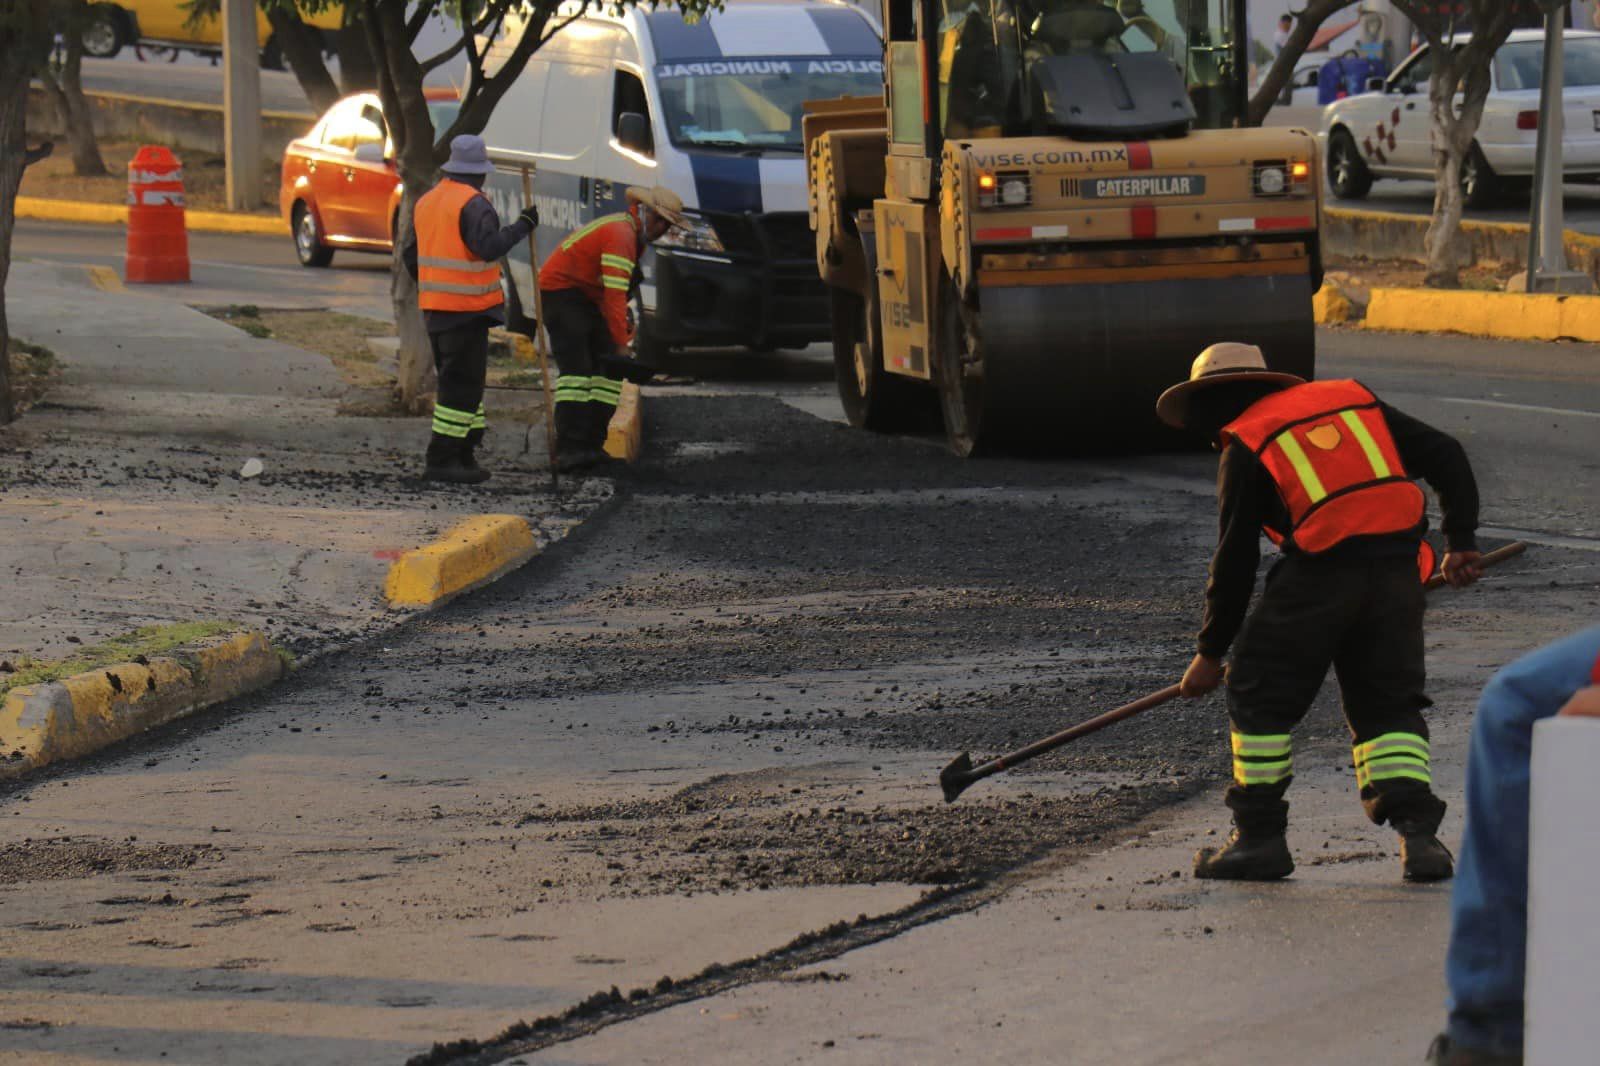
x=958 y=371
x=1348 y=175
x=104 y=32
x=872 y=398
x=272 y=55
x=308 y=244
x=1480 y=185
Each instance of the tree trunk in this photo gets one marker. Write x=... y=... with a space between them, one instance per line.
x=14 y=67
x=415 y=378
x=1282 y=69
x=302 y=48
x=405 y=108
x=357 y=72
x=66 y=91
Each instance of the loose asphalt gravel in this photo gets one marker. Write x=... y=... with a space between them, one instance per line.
x=794 y=624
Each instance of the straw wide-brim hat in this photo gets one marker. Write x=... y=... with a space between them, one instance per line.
x=662 y=200
x=1228 y=363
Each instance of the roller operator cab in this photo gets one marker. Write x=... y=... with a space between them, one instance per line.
x=711 y=109
x=1050 y=211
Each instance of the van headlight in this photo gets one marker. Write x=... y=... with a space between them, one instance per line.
x=697 y=236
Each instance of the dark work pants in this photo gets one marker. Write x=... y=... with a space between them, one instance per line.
x=1363 y=617
x=461 y=357
x=585 y=398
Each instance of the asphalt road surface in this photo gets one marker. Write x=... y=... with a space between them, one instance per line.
x=706 y=723
x=191 y=79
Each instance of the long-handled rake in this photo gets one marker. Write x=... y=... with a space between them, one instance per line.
x=961 y=774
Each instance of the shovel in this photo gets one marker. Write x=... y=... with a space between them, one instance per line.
x=955 y=778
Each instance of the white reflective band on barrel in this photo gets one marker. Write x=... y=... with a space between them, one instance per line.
x=147 y=177
x=155 y=198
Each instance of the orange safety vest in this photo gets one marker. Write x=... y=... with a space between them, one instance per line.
x=449 y=276
x=1330 y=453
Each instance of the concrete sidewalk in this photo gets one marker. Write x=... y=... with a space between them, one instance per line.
x=126 y=502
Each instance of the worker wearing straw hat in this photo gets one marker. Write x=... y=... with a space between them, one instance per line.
x=584 y=286
x=1325 y=469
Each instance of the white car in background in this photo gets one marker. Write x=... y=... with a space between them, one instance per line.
x=1387 y=133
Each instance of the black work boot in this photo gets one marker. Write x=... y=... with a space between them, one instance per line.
x=1246 y=857
x=469 y=458
x=1442 y=1052
x=576 y=459
x=1423 y=858
x=444 y=463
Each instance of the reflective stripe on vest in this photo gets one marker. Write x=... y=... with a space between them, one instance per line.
x=449 y=276
x=1328 y=450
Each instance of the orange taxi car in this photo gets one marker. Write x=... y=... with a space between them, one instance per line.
x=341 y=188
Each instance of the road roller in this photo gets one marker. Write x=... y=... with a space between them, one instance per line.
x=1054 y=206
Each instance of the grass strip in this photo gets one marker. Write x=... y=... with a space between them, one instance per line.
x=130 y=647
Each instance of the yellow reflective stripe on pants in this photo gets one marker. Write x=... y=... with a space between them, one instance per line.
x=1262 y=758
x=1391 y=756
x=1263 y=773
x=1302 y=466
x=1391 y=767
x=449 y=422
x=1380 y=465
x=572 y=388
x=1261 y=743
x=481 y=419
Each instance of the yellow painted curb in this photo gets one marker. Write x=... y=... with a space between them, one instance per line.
x=1330 y=306
x=117 y=214
x=79 y=715
x=625 y=435
x=471 y=553
x=195 y=105
x=1504 y=316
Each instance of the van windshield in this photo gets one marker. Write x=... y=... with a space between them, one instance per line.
x=756 y=103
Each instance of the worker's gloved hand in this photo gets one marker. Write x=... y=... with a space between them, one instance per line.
x=1204 y=675
x=625 y=364
x=530 y=215
x=1585 y=703
x=1461 y=568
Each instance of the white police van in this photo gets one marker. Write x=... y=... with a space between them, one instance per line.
x=710 y=109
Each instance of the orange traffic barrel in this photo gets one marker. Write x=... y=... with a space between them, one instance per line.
x=158 y=244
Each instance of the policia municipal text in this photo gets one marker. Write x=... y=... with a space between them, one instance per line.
x=454 y=253
x=1324 y=469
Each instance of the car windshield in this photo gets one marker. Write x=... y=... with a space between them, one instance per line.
x=443 y=112
x=755 y=104
x=1519 y=66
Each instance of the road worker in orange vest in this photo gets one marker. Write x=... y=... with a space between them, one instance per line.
x=1325 y=469
x=584 y=286
x=454 y=253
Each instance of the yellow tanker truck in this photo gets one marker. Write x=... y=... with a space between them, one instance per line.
x=1050 y=211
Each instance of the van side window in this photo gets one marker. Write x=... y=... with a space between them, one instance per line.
x=628 y=97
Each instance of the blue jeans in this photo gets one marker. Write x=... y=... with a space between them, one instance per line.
x=1489 y=902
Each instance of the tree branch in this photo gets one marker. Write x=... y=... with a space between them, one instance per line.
x=1307 y=24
